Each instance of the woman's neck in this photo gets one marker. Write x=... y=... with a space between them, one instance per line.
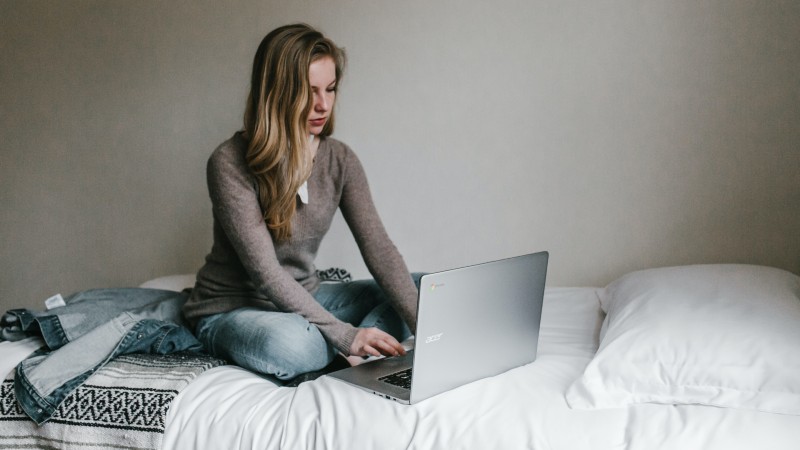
x=314 y=145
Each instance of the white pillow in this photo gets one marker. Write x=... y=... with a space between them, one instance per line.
x=720 y=335
x=170 y=282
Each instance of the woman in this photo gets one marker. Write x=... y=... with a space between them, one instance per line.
x=274 y=188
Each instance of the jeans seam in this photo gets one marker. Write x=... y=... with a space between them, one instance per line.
x=44 y=409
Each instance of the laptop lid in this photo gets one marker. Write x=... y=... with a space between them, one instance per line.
x=476 y=322
x=473 y=322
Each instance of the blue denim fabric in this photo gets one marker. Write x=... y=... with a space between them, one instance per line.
x=83 y=312
x=151 y=324
x=286 y=345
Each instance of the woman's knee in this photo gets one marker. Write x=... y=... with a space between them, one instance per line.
x=297 y=348
x=417 y=277
x=280 y=344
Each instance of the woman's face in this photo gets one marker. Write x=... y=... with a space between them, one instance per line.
x=322 y=76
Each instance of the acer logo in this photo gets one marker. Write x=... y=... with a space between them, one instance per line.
x=433 y=338
x=435 y=286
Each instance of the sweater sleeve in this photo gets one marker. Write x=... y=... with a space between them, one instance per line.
x=236 y=207
x=381 y=257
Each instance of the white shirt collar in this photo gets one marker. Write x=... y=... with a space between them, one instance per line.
x=303 y=191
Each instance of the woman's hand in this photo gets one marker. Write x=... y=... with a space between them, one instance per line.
x=375 y=342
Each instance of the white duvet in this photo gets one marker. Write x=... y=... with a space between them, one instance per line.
x=524 y=408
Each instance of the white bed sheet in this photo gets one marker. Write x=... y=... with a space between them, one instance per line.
x=13 y=352
x=228 y=407
x=668 y=427
x=523 y=408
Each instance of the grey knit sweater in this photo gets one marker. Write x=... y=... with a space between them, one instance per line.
x=246 y=267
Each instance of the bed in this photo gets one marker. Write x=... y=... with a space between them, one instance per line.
x=673 y=358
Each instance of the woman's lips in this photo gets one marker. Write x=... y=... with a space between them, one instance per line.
x=318 y=122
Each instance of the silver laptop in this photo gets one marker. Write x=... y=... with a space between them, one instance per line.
x=472 y=323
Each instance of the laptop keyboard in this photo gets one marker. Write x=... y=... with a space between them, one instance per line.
x=401 y=379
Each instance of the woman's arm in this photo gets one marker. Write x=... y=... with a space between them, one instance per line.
x=380 y=255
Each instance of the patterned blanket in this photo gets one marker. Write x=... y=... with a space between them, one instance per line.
x=123 y=405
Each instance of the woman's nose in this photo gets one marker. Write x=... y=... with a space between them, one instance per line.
x=320 y=103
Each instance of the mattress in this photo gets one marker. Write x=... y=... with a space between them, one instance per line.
x=229 y=407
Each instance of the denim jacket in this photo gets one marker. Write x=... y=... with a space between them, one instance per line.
x=92 y=328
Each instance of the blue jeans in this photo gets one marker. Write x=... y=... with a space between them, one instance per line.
x=91 y=329
x=286 y=345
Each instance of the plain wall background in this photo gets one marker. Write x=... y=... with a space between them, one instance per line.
x=618 y=135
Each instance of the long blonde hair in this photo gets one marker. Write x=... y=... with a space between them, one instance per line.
x=275 y=118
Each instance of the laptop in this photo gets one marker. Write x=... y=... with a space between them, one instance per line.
x=473 y=322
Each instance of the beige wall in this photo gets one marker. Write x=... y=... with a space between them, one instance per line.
x=618 y=135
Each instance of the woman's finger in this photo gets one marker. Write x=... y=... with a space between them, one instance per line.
x=370 y=350
x=388 y=348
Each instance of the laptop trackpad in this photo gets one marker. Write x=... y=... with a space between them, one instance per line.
x=366 y=375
